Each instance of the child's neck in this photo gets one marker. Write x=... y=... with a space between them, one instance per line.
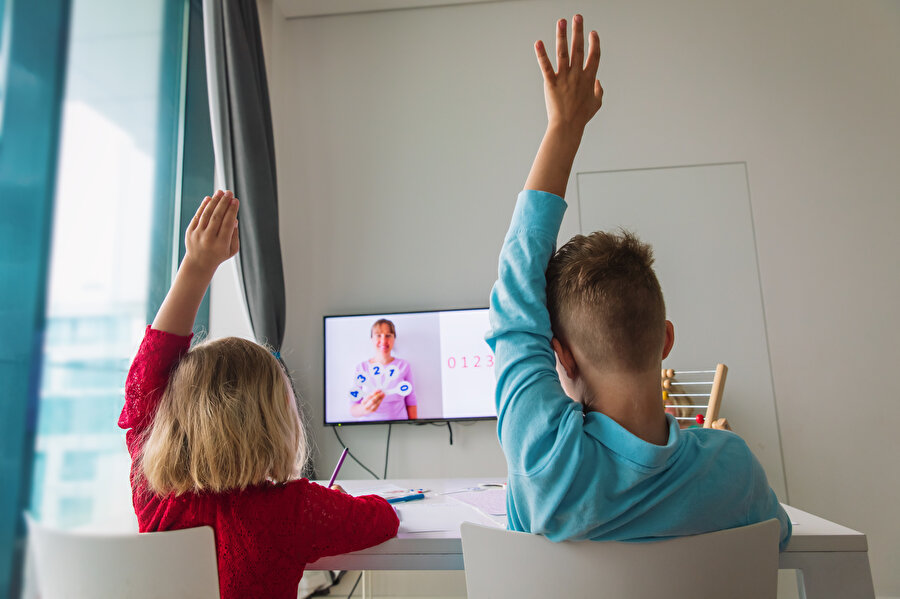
x=632 y=400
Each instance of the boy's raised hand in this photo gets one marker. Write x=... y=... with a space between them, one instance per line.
x=573 y=96
x=211 y=238
x=572 y=93
x=212 y=235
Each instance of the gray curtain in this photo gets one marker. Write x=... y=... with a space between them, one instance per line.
x=241 y=122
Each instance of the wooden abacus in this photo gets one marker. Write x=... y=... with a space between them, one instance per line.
x=687 y=397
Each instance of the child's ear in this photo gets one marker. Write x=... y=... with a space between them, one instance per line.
x=670 y=339
x=565 y=357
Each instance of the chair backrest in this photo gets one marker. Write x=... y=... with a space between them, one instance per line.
x=740 y=563
x=692 y=390
x=75 y=565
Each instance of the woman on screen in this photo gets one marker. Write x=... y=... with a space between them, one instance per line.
x=382 y=387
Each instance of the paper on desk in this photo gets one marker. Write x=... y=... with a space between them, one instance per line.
x=419 y=516
x=491 y=502
x=382 y=489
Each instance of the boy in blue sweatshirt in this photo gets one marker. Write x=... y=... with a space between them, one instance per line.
x=591 y=453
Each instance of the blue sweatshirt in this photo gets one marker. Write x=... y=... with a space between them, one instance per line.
x=576 y=476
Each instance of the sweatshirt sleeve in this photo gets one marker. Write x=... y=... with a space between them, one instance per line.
x=340 y=523
x=147 y=379
x=536 y=421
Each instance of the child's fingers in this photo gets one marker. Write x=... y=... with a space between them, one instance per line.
x=235 y=240
x=196 y=220
x=209 y=210
x=562 y=51
x=598 y=92
x=229 y=230
x=218 y=215
x=544 y=61
x=577 y=43
x=593 y=58
x=230 y=218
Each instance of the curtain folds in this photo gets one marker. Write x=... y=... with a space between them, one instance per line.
x=241 y=122
x=34 y=44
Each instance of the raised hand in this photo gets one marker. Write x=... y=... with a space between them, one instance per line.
x=212 y=235
x=211 y=238
x=573 y=96
x=572 y=93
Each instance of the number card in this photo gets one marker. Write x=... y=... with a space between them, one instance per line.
x=382 y=377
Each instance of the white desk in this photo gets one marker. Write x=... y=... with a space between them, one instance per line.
x=832 y=560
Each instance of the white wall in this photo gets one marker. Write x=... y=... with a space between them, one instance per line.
x=405 y=136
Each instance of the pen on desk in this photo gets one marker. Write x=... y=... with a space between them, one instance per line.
x=337 y=468
x=412 y=497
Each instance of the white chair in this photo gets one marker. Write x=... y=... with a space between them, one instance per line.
x=740 y=563
x=76 y=565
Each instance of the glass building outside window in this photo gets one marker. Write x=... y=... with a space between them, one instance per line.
x=99 y=262
x=115 y=230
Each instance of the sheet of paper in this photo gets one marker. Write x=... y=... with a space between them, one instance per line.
x=422 y=516
x=491 y=502
x=375 y=488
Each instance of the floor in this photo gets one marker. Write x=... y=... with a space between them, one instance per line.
x=451 y=585
x=405 y=585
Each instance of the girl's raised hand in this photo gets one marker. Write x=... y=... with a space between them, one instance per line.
x=572 y=93
x=211 y=238
x=212 y=235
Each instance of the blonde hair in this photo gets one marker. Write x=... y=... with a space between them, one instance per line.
x=226 y=421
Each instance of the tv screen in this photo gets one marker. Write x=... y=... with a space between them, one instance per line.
x=408 y=366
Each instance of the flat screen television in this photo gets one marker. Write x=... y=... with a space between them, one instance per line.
x=436 y=368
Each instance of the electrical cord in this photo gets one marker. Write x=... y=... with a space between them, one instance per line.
x=387 y=448
x=350 y=453
x=449 y=428
x=358 y=578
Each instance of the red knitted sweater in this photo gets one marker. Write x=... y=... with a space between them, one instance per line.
x=265 y=535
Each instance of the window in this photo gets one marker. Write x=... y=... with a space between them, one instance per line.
x=112 y=246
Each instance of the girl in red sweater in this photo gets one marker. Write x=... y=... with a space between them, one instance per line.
x=215 y=439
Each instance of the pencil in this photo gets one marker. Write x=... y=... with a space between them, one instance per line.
x=337 y=468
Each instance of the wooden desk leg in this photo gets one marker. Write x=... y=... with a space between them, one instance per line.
x=831 y=575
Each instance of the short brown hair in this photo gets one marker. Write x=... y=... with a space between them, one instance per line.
x=380 y=322
x=604 y=298
x=224 y=422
